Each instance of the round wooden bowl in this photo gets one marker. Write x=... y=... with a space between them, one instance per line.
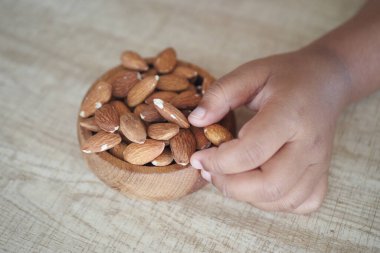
x=146 y=182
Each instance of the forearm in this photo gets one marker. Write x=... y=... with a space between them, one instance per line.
x=356 y=45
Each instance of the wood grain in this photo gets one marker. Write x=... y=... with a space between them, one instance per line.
x=50 y=51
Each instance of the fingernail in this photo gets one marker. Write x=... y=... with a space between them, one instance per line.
x=196 y=164
x=198 y=113
x=206 y=175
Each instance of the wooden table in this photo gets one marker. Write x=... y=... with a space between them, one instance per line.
x=51 y=51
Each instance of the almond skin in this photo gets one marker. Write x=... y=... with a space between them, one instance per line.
x=133 y=60
x=172 y=83
x=118 y=150
x=89 y=124
x=107 y=118
x=98 y=95
x=166 y=61
x=139 y=108
x=185 y=72
x=188 y=99
x=123 y=81
x=164 y=159
x=141 y=90
x=120 y=107
x=200 y=137
x=140 y=154
x=150 y=72
x=217 y=134
x=101 y=141
x=170 y=113
x=150 y=114
x=164 y=95
x=183 y=145
x=133 y=128
x=162 y=131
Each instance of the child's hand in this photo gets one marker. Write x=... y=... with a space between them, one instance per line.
x=281 y=157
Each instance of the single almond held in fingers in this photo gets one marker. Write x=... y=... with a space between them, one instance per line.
x=118 y=150
x=89 y=124
x=123 y=81
x=185 y=72
x=172 y=83
x=133 y=128
x=164 y=159
x=200 y=137
x=150 y=114
x=120 y=107
x=183 y=145
x=133 y=60
x=99 y=94
x=140 y=154
x=164 y=95
x=162 y=131
x=170 y=113
x=107 y=118
x=166 y=61
x=188 y=99
x=100 y=141
x=141 y=90
x=217 y=134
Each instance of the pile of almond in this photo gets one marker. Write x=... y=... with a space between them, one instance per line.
x=139 y=114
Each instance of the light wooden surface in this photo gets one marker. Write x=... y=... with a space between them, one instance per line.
x=51 y=51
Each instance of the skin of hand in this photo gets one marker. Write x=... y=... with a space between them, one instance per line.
x=280 y=159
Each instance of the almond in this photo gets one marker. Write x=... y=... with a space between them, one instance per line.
x=217 y=134
x=150 y=114
x=118 y=150
x=166 y=61
x=120 y=107
x=99 y=142
x=133 y=60
x=99 y=94
x=141 y=90
x=89 y=124
x=123 y=81
x=162 y=131
x=164 y=159
x=107 y=118
x=185 y=72
x=164 y=95
x=141 y=154
x=183 y=145
x=133 y=128
x=172 y=83
x=200 y=137
x=139 y=108
x=150 y=72
x=170 y=113
x=186 y=100
x=207 y=81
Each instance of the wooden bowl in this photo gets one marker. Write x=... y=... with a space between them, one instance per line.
x=146 y=182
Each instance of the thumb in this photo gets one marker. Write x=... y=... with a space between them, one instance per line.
x=229 y=92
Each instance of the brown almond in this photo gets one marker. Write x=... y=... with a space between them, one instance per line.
x=162 y=131
x=164 y=159
x=166 y=61
x=183 y=145
x=217 y=134
x=123 y=81
x=164 y=95
x=133 y=128
x=172 y=83
x=101 y=141
x=133 y=60
x=140 y=154
x=150 y=114
x=99 y=94
x=118 y=150
x=207 y=81
x=200 y=137
x=120 y=107
x=186 y=72
x=170 y=113
x=141 y=90
x=89 y=124
x=107 y=118
x=186 y=100
x=139 y=108
x=150 y=72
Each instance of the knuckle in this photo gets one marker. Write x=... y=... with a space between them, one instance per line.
x=216 y=166
x=217 y=91
x=254 y=153
x=272 y=192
